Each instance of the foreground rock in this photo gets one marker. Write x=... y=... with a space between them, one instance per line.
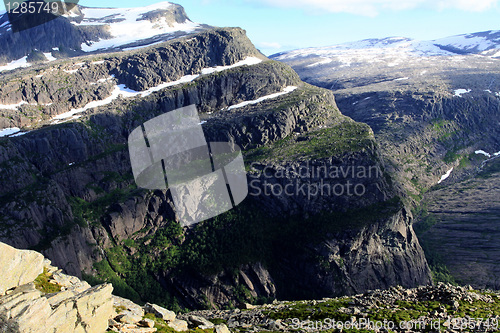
x=37 y=297
x=40 y=298
x=22 y=267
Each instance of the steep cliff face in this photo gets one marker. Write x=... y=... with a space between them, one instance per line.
x=68 y=188
x=434 y=131
x=435 y=115
x=342 y=262
x=34 y=95
x=464 y=217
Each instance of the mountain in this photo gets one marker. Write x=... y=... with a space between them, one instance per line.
x=485 y=43
x=482 y=43
x=79 y=30
x=395 y=59
x=68 y=189
x=434 y=108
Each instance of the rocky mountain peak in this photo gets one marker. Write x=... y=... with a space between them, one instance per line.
x=76 y=30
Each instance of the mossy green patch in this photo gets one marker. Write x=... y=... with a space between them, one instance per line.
x=42 y=283
x=327 y=142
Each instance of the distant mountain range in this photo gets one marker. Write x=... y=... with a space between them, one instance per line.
x=482 y=43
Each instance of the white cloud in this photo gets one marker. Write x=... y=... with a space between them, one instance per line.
x=269 y=45
x=373 y=7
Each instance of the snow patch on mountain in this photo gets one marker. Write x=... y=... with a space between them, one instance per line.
x=479 y=42
x=369 y=49
x=323 y=62
x=393 y=50
x=9 y=131
x=460 y=92
x=482 y=152
x=122 y=90
x=130 y=25
x=285 y=91
x=12 y=106
x=249 y=61
x=49 y=56
x=141 y=46
x=445 y=176
x=15 y=64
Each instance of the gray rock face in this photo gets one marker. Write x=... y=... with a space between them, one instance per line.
x=430 y=113
x=138 y=70
x=62 y=147
x=380 y=255
x=218 y=290
x=20 y=267
x=462 y=219
x=411 y=105
x=69 y=189
x=57 y=33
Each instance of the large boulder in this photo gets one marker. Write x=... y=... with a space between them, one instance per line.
x=25 y=309
x=19 y=267
x=159 y=312
x=178 y=325
x=95 y=307
x=122 y=304
x=197 y=321
x=222 y=328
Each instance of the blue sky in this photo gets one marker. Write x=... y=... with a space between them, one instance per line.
x=278 y=25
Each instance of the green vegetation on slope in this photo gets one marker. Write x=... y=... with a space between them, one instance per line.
x=240 y=236
x=333 y=141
